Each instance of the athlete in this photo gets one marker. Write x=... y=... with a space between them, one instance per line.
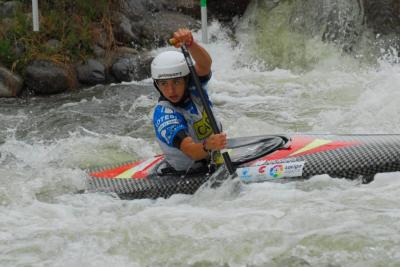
x=182 y=127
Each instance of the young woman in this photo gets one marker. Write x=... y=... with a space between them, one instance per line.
x=181 y=125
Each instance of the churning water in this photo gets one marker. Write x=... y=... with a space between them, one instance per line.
x=46 y=142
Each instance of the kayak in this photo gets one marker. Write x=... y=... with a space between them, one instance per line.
x=276 y=158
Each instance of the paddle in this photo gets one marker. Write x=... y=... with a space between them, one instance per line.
x=213 y=122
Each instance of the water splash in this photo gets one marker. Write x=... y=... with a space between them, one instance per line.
x=299 y=35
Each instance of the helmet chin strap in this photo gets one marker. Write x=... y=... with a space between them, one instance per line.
x=158 y=89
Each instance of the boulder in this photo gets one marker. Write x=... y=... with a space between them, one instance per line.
x=10 y=84
x=9 y=8
x=223 y=11
x=99 y=51
x=122 y=29
x=92 y=72
x=346 y=23
x=134 y=10
x=383 y=16
x=131 y=68
x=158 y=27
x=47 y=77
x=123 y=51
x=124 y=69
x=53 y=44
x=152 y=30
x=226 y=10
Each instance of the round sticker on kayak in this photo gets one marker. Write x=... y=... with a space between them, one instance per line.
x=277 y=170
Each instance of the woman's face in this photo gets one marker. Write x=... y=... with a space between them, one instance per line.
x=172 y=89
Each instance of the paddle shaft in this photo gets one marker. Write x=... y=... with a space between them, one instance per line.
x=207 y=108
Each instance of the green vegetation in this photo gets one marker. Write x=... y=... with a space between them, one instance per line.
x=76 y=25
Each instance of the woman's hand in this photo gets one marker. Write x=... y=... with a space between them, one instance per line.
x=183 y=36
x=216 y=142
x=199 y=54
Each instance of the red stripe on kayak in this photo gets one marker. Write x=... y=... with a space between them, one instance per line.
x=300 y=142
x=144 y=173
x=111 y=173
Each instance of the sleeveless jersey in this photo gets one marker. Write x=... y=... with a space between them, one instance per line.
x=169 y=119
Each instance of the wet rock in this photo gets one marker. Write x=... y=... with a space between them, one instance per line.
x=343 y=25
x=159 y=27
x=99 y=51
x=92 y=72
x=123 y=30
x=153 y=30
x=148 y=24
x=145 y=63
x=133 y=9
x=132 y=68
x=101 y=38
x=53 y=44
x=223 y=11
x=124 y=69
x=226 y=10
x=123 y=51
x=336 y=21
x=346 y=19
x=382 y=15
x=8 y=9
x=46 y=77
x=10 y=84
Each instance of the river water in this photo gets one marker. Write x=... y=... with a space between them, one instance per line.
x=47 y=142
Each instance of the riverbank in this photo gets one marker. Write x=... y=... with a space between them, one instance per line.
x=96 y=42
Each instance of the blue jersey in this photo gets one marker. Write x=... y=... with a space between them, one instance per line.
x=168 y=120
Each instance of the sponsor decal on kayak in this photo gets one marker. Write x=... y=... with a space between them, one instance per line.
x=277 y=170
x=271 y=172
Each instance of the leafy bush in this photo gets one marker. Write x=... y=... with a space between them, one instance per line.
x=74 y=23
x=7 y=56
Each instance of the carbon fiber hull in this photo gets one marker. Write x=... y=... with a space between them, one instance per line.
x=301 y=157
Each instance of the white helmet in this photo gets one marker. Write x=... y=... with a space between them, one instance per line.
x=169 y=65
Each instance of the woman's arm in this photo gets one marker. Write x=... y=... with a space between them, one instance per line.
x=197 y=151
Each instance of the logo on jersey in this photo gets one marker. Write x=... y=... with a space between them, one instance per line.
x=202 y=127
x=164 y=135
x=167 y=110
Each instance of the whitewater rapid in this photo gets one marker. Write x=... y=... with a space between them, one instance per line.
x=47 y=142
